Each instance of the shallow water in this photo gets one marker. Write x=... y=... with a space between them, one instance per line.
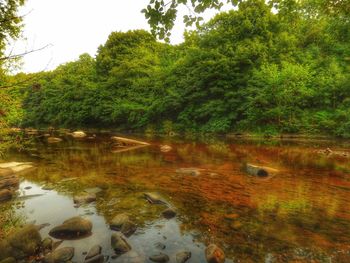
x=299 y=214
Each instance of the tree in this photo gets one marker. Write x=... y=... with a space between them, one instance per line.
x=161 y=15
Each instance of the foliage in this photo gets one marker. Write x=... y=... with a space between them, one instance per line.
x=271 y=67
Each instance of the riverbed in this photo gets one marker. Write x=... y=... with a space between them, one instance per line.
x=299 y=213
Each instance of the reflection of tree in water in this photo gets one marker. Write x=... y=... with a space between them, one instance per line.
x=303 y=207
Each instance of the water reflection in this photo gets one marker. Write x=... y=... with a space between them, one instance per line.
x=302 y=213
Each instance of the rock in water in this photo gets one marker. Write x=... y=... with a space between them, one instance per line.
x=53 y=140
x=84 y=198
x=183 y=256
x=23 y=243
x=5 y=195
x=47 y=244
x=154 y=198
x=169 y=213
x=160 y=258
x=96 y=259
x=75 y=227
x=61 y=255
x=79 y=134
x=214 y=254
x=118 y=221
x=27 y=240
x=119 y=244
x=256 y=170
x=9 y=181
x=93 y=252
x=128 y=228
x=165 y=148
x=160 y=246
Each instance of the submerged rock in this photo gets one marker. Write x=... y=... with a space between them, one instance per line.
x=128 y=228
x=160 y=258
x=183 y=256
x=118 y=221
x=96 y=259
x=72 y=228
x=119 y=244
x=84 y=198
x=8 y=260
x=61 y=255
x=5 y=195
x=93 y=190
x=154 y=198
x=160 y=246
x=47 y=244
x=47 y=188
x=23 y=243
x=169 y=213
x=93 y=252
x=214 y=254
x=189 y=171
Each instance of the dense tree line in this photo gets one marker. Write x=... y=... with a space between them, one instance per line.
x=265 y=67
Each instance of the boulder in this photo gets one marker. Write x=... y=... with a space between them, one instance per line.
x=183 y=256
x=169 y=213
x=256 y=170
x=260 y=171
x=160 y=258
x=5 y=195
x=75 y=227
x=84 y=198
x=154 y=198
x=23 y=243
x=61 y=255
x=79 y=134
x=214 y=254
x=119 y=244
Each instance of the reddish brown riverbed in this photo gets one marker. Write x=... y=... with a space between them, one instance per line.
x=300 y=214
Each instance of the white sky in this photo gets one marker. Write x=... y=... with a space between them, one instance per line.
x=74 y=27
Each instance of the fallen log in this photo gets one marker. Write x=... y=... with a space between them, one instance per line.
x=128 y=141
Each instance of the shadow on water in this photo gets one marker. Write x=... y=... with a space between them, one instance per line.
x=302 y=213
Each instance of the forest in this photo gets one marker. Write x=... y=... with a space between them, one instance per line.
x=279 y=67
